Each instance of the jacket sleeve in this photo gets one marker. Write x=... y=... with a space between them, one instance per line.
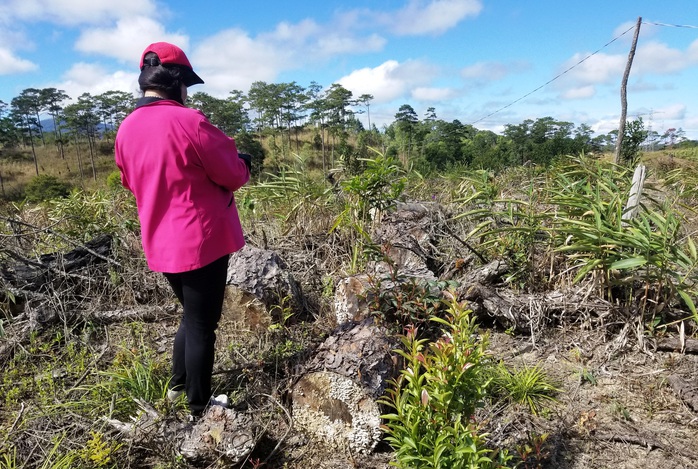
x=219 y=157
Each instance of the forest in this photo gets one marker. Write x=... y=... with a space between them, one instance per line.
x=275 y=114
x=523 y=312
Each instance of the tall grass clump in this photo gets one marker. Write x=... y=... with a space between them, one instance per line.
x=528 y=386
x=365 y=196
x=134 y=374
x=507 y=216
x=290 y=198
x=648 y=261
x=567 y=226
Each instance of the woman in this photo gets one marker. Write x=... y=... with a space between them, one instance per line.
x=183 y=171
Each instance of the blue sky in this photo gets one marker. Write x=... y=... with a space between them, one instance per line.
x=466 y=58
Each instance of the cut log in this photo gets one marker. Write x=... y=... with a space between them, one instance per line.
x=527 y=313
x=406 y=235
x=260 y=288
x=335 y=400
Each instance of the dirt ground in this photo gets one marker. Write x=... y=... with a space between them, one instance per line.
x=617 y=409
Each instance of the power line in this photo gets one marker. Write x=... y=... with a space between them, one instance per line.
x=557 y=76
x=671 y=25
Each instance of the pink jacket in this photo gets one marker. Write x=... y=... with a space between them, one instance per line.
x=182 y=171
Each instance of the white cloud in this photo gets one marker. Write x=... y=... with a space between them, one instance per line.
x=626 y=29
x=490 y=71
x=10 y=63
x=127 y=39
x=74 y=12
x=605 y=125
x=95 y=79
x=390 y=80
x=582 y=92
x=433 y=94
x=658 y=58
x=336 y=44
x=309 y=41
x=421 y=17
x=597 y=69
x=232 y=60
x=670 y=112
x=651 y=58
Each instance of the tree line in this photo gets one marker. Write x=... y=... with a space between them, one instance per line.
x=280 y=113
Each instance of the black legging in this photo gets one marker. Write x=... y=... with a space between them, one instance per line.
x=201 y=293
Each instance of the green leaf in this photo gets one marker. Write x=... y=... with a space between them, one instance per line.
x=689 y=302
x=692 y=248
x=630 y=263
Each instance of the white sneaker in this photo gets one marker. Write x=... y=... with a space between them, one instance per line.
x=220 y=400
x=173 y=395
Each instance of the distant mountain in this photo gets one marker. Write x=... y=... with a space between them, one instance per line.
x=47 y=126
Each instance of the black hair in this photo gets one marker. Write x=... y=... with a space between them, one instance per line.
x=167 y=78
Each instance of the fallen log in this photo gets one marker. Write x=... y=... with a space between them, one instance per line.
x=335 y=399
x=528 y=313
x=33 y=275
x=628 y=434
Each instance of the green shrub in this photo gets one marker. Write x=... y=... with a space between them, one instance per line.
x=46 y=187
x=114 y=180
x=435 y=397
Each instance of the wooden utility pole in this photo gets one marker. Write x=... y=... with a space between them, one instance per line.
x=624 y=92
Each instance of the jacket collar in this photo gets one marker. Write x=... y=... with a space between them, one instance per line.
x=146 y=100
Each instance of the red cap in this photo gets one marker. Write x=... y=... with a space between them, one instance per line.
x=171 y=54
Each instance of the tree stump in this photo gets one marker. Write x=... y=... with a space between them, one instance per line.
x=219 y=435
x=406 y=235
x=406 y=238
x=260 y=290
x=335 y=400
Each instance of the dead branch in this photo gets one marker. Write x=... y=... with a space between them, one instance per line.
x=686 y=391
x=68 y=240
x=674 y=344
x=635 y=437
